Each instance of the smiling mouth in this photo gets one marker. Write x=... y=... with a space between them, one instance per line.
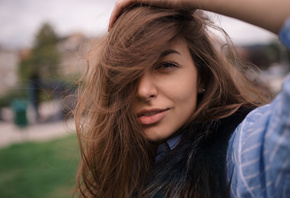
x=150 y=113
x=152 y=117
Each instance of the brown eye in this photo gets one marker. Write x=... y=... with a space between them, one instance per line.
x=167 y=65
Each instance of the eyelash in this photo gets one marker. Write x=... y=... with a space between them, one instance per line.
x=167 y=65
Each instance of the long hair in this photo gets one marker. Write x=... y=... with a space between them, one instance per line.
x=116 y=156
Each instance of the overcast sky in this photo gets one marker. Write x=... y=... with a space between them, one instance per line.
x=21 y=19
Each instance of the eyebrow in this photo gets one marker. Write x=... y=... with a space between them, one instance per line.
x=167 y=52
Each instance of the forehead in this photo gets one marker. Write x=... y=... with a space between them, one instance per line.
x=177 y=46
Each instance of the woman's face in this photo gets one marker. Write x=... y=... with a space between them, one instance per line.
x=166 y=95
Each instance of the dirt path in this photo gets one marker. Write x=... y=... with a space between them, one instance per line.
x=10 y=134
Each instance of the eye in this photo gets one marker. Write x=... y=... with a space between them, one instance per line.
x=166 y=66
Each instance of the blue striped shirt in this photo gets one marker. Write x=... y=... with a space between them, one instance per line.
x=258 y=158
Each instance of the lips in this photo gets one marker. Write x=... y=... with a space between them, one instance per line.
x=149 y=117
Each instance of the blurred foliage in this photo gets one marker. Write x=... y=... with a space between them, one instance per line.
x=33 y=170
x=20 y=92
x=44 y=58
x=46 y=36
x=279 y=51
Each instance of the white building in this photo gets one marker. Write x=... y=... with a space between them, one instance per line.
x=9 y=60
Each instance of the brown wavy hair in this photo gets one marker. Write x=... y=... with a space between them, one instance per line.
x=116 y=156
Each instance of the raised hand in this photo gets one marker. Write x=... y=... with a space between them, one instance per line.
x=173 y=4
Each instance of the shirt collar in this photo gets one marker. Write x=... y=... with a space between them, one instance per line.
x=164 y=148
x=172 y=142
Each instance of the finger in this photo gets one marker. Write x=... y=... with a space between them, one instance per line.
x=113 y=18
x=119 y=7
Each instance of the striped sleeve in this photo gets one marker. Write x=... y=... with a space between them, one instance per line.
x=284 y=33
x=259 y=151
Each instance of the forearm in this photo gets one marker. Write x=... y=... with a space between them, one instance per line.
x=268 y=14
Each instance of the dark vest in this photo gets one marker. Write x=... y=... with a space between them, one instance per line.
x=198 y=162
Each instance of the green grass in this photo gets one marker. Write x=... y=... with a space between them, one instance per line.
x=35 y=170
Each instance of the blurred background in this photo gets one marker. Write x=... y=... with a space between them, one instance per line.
x=41 y=48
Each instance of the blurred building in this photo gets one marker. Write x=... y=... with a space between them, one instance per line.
x=9 y=60
x=72 y=61
x=72 y=49
x=272 y=59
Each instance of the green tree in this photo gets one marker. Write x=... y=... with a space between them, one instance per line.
x=44 y=58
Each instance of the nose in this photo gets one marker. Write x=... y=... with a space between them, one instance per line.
x=146 y=90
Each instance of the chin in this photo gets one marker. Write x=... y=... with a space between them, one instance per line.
x=155 y=136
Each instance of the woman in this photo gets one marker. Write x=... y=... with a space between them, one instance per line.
x=157 y=82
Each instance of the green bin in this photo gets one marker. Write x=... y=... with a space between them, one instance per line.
x=19 y=108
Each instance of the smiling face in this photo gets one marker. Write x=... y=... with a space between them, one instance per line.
x=166 y=95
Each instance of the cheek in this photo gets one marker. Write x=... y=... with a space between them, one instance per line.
x=185 y=97
x=186 y=89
